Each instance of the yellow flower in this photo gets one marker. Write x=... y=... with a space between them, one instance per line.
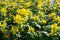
x=43 y=21
x=54 y=7
x=41 y=13
x=57 y=18
x=40 y=3
x=3 y=24
x=21 y=1
x=3 y=3
x=56 y=1
x=22 y=12
x=4 y=31
x=3 y=10
x=31 y=29
x=54 y=28
x=35 y=17
x=30 y=13
x=20 y=6
x=28 y=4
x=52 y=14
x=13 y=4
x=18 y=11
x=19 y=19
x=14 y=29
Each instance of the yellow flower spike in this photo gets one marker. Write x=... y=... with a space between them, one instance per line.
x=43 y=21
x=31 y=29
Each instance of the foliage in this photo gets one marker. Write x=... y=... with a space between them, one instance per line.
x=29 y=20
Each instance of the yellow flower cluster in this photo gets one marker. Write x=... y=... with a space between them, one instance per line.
x=54 y=28
x=19 y=19
x=22 y=15
x=14 y=29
